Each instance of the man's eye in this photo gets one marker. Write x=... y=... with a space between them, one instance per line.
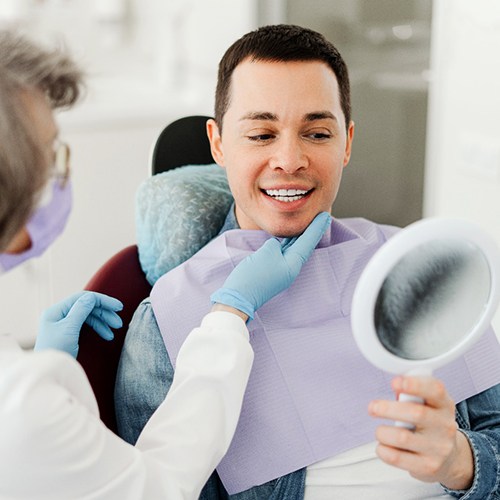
x=261 y=137
x=319 y=136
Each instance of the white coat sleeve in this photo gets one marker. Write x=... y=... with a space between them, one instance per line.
x=53 y=445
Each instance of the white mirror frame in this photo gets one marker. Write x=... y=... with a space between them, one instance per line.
x=384 y=260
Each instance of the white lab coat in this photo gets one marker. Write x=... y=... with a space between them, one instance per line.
x=53 y=445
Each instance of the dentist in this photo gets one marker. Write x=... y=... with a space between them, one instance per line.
x=52 y=443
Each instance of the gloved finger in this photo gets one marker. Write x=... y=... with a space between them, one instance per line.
x=60 y=310
x=270 y=250
x=109 y=317
x=100 y=327
x=287 y=242
x=272 y=246
x=80 y=311
x=107 y=302
x=300 y=251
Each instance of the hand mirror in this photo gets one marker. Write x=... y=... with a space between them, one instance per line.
x=426 y=296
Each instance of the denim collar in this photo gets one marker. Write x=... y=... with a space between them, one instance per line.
x=230 y=222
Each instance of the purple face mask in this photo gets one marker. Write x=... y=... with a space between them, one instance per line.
x=45 y=225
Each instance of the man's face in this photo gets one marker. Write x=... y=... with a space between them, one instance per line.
x=284 y=143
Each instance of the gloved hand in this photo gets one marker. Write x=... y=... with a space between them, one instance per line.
x=60 y=324
x=270 y=270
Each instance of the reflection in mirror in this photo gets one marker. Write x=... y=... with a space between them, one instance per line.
x=432 y=298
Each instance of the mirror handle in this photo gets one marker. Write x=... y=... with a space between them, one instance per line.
x=410 y=399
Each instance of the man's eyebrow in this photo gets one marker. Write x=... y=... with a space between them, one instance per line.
x=260 y=115
x=268 y=116
x=320 y=115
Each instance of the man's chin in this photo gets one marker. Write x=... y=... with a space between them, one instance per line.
x=288 y=230
x=280 y=225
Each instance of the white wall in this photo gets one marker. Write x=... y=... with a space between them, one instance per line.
x=463 y=146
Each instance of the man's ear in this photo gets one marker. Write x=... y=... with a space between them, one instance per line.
x=215 y=139
x=348 y=145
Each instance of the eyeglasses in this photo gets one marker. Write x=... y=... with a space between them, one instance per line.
x=62 y=168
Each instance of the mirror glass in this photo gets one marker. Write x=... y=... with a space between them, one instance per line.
x=432 y=298
x=426 y=295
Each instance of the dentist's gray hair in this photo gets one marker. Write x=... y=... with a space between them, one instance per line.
x=24 y=68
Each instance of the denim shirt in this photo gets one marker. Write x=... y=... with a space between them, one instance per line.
x=145 y=374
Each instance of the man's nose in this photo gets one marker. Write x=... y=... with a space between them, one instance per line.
x=289 y=155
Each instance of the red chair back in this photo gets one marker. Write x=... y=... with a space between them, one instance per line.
x=121 y=277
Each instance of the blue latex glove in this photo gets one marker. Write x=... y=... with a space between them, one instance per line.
x=60 y=324
x=270 y=270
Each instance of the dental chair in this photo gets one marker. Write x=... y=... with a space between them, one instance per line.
x=182 y=142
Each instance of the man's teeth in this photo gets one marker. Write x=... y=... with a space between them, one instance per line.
x=286 y=194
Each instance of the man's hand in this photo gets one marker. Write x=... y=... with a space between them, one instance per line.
x=270 y=270
x=436 y=451
x=60 y=324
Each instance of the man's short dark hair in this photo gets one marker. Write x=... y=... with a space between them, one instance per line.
x=281 y=43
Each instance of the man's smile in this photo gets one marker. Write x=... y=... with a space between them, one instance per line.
x=286 y=195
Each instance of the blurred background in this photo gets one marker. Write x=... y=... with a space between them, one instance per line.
x=424 y=75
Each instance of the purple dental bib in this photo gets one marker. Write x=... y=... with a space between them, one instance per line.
x=310 y=386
